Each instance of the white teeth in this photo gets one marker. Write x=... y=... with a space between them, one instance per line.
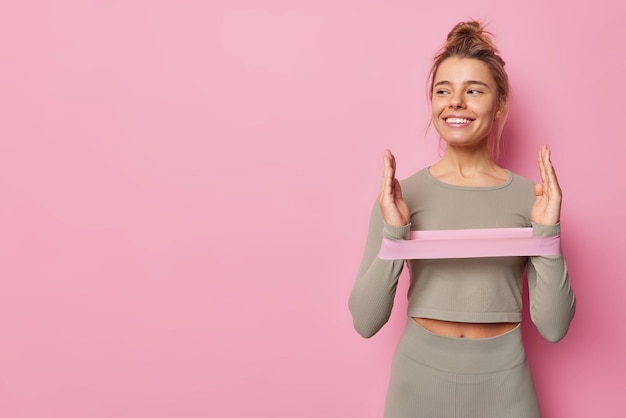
x=458 y=120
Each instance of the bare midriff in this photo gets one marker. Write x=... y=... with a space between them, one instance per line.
x=465 y=329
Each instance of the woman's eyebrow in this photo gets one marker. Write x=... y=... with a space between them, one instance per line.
x=468 y=82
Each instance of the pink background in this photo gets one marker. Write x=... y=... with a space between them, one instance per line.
x=186 y=185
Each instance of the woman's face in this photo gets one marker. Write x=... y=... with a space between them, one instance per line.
x=464 y=101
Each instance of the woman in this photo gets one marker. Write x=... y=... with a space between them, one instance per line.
x=461 y=353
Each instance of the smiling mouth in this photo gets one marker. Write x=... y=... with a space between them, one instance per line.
x=458 y=121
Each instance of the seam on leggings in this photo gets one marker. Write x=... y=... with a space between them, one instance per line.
x=460 y=374
x=456 y=395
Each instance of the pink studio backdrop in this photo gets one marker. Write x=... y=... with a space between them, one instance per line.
x=186 y=185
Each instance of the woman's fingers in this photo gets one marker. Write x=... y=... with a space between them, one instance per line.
x=394 y=208
x=384 y=179
x=541 y=163
x=550 y=181
x=547 y=206
x=387 y=185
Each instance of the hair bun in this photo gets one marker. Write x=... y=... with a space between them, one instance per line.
x=470 y=36
x=466 y=28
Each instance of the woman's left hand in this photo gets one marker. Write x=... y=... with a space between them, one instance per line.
x=547 y=207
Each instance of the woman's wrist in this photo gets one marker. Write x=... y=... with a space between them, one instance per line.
x=396 y=232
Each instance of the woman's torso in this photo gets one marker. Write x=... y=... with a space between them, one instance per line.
x=467 y=298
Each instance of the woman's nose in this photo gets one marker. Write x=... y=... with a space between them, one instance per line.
x=456 y=101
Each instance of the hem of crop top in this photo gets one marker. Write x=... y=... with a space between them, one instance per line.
x=473 y=317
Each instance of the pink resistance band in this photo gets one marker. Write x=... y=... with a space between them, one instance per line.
x=470 y=243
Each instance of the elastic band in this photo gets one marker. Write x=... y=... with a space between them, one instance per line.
x=470 y=243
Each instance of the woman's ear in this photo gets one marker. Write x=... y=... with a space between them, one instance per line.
x=502 y=109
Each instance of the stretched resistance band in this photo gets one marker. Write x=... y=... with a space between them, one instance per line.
x=470 y=243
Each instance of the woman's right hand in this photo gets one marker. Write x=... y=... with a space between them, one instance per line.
x=394 y=208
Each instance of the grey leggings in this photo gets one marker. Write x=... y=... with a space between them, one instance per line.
x=433 y=376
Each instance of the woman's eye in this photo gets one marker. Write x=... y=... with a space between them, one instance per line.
x=474 y=91
x=441 y=92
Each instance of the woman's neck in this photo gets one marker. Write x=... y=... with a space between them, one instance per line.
x=465 y=167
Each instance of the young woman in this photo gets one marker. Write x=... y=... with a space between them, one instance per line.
x=461 y=353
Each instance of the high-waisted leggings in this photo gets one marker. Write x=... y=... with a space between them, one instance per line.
x=434 y=376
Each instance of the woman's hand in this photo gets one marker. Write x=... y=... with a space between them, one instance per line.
x=547 y=207
x=394 y=208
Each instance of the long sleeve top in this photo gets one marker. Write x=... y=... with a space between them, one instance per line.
x=483 y=290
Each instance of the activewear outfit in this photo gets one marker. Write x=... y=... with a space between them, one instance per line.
x=431 y=374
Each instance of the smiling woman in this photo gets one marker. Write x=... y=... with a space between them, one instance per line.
x=461 y=353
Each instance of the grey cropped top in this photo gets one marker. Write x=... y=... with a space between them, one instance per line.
x=483 y=290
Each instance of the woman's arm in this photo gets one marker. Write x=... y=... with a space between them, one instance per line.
x=373 y=293
x=552 y=301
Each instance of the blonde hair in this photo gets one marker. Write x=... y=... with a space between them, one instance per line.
x=471 y=40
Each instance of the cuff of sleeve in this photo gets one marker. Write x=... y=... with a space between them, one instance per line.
x=397 y=232
x=541 y=230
